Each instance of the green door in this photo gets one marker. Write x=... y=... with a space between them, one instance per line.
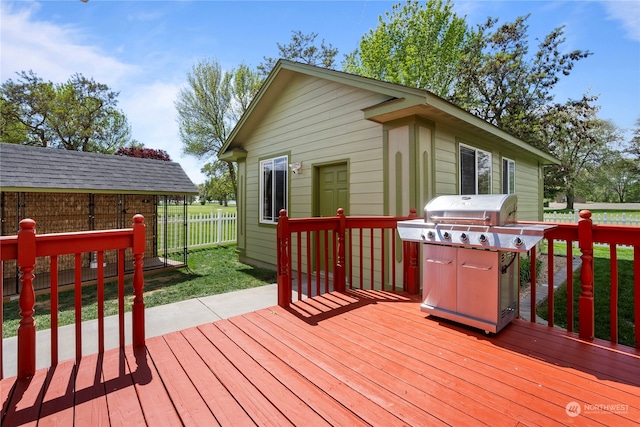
x=333 y=193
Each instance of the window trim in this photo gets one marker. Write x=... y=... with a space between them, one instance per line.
x=508 y=177
x=476 y=151
x=261 y=188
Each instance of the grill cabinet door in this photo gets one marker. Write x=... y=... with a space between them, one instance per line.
x=439 y=277
x=478 y=273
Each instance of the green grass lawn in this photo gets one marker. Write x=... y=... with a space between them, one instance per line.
x=210 y=271
x=197 y=208
x=602 y=292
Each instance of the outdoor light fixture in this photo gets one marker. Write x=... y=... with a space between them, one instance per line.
x=296 y=167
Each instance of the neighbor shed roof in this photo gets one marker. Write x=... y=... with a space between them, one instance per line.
x=37 y=169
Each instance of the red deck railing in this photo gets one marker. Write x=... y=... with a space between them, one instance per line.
x=341 y=250
x=587 y=234
x=314 y=250
x=26 y=247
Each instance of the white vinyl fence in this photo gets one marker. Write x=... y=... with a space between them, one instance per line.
x=597 y=218
x=202 y=230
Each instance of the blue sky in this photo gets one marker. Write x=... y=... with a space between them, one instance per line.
x=144 y=49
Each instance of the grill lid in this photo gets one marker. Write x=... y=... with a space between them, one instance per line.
x=476 y=221
x=478 y=209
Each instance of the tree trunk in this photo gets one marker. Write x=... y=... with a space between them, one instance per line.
x=232 y=176
x=570 y=194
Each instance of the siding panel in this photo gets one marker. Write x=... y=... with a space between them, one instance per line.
x=317 y=122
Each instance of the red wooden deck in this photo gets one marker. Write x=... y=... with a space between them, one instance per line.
x=354 y=358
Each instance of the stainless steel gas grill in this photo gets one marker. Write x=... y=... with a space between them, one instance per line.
x=471 y=257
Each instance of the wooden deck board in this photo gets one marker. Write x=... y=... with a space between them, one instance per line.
x=355 y=358
x=257 y=406
x=462 y=385
x=57 y=404
x=90 y=398
x=221 y=403
x=450 y=368
x=122 y=399
x=531 y=341
x=25 y=401
x=276 y=363
x=287 y=403
x=487 y=368
x=374 y=387
x=359 y=404
x=388 y=386
x=155 y=402
x=183 y=393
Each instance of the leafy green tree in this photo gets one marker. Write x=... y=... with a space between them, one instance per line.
x=577 y=137
x=633 y=147
x=414 y=46
x=501 y=83
x=218 y=185
x=79 y=114
x=302 y=49
x=246 y=83
x=622 y=177
x=11 y=131
x=613 y=178
x=211 y=105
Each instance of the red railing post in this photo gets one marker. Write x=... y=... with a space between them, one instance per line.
x=533 y=287
x=411 y=266
x=340 y=283
x=1 y=317
x=137 y=311
x=283 y=259
x=27 y=328
x=586 y=319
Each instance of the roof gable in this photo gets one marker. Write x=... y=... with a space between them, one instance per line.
x=402 y=101
x=26 y=168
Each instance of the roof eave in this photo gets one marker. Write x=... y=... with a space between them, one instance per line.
x=400 y=98
x=94 y=191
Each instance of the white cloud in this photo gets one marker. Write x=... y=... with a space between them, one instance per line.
x=53 y=52
x=152 y=114
x=56 y=52
x=628 y=13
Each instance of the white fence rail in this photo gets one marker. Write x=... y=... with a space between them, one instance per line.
x=202 y=230
x=597 y=218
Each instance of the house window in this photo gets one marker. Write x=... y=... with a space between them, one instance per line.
x=273 y=188
x=475 y=171
x=508 y=176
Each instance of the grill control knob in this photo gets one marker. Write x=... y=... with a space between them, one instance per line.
x=483 y=239
x=464 y=237
x=518 y=242
x=446 y=235
x=431 y=234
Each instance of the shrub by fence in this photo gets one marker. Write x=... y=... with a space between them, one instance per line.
x=202 y=230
